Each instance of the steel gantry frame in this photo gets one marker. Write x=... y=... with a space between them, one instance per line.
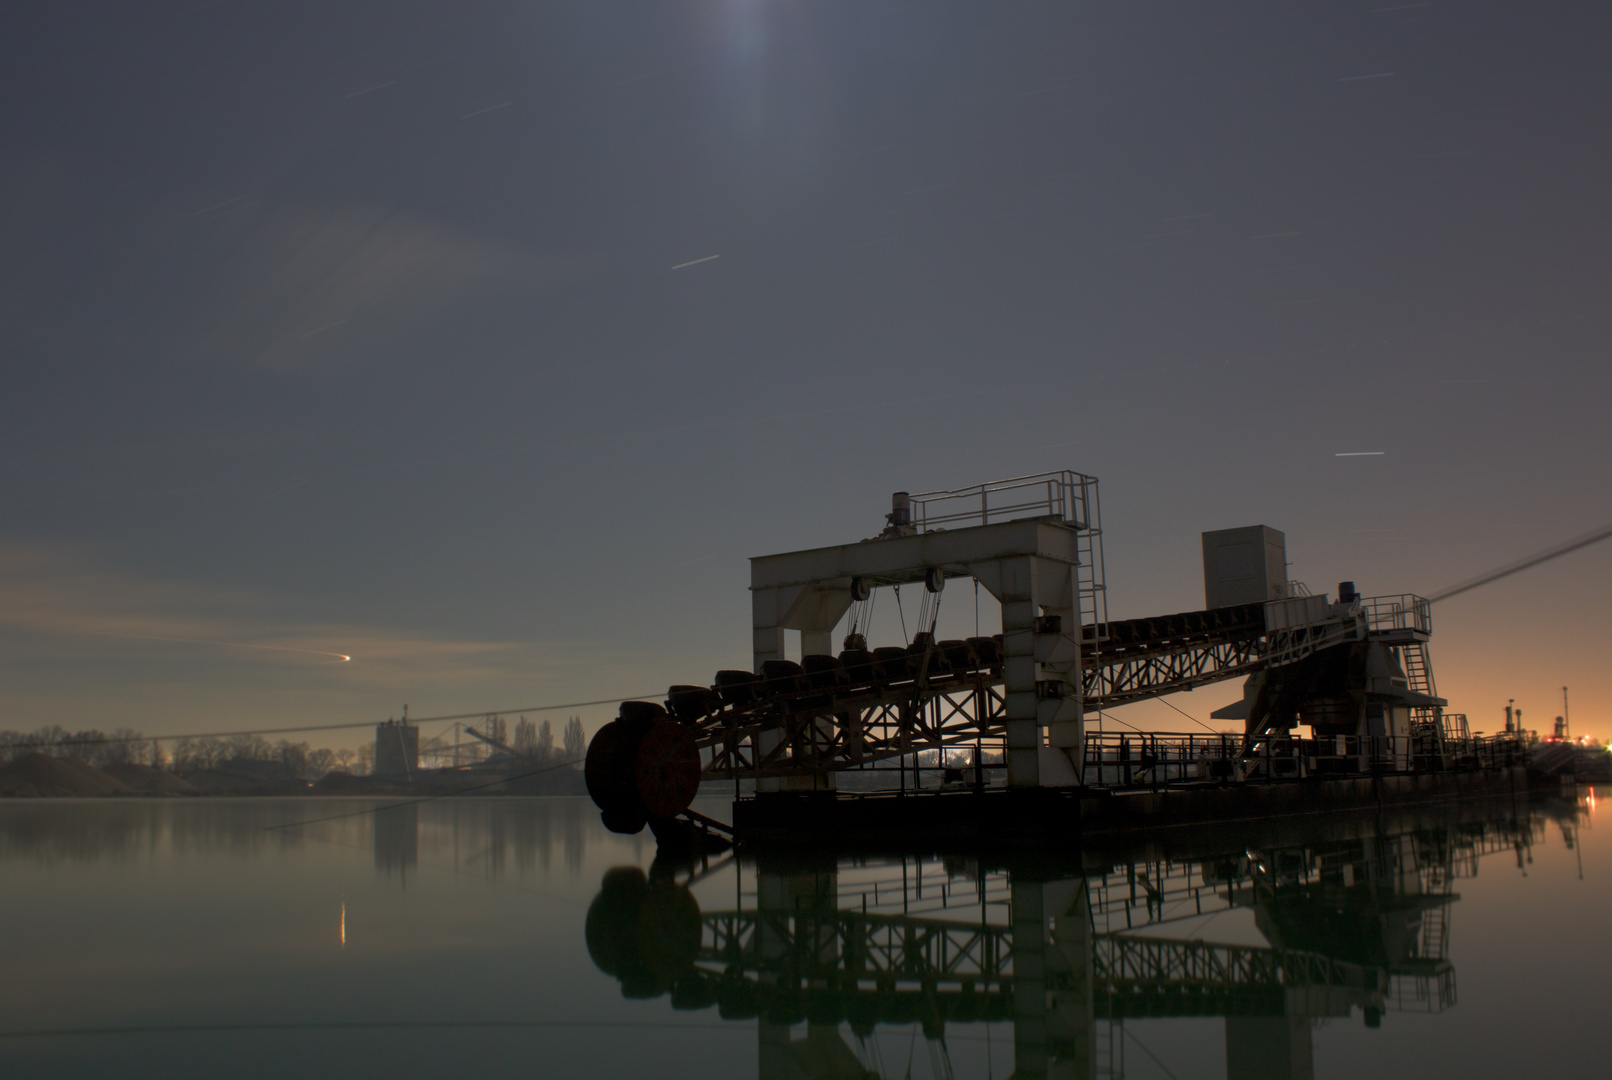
x=1042 y=568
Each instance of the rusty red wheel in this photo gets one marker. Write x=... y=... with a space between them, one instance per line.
x=667 y=770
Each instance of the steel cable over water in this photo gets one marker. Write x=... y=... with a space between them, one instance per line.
x=110 y=739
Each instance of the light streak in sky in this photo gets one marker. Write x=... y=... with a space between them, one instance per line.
x=1361 y=453
x=696 y=262
x=344 y=925
x=340 y=657
x=327 y=326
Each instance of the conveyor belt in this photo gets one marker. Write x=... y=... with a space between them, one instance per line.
x=858 y=708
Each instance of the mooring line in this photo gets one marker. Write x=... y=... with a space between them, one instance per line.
x=1524 y=564
x=110 y=739
x=350 y=1025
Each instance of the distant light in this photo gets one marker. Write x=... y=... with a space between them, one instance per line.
x=696 y=262
x=1361 y=453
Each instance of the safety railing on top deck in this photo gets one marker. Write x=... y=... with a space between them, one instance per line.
x=1406 y=611
x=1066 y=495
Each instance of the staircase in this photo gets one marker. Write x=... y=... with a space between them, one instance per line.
x=1418 y=675
x=1435 y=939
x=1427 y=734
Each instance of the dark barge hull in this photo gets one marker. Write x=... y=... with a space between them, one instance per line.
x=965 y=820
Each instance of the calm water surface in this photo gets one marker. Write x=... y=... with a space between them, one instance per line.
x=498 y=937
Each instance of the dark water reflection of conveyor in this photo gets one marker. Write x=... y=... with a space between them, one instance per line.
x=1356 y=915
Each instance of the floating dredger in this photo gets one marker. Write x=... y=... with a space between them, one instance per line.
x=992 y=739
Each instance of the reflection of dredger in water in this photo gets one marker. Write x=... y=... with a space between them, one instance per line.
x=1357 y=923
x=647 y=934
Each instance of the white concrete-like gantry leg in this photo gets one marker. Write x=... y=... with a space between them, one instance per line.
x=1040 y=667
x=1012 y=582
x=1057 y=649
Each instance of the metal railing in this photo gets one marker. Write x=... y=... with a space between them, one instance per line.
x=1067 y=496
x=1453 y=726
x=1153 y=761
x=1147 y=760
x=1430 y=993
x=1406 y=611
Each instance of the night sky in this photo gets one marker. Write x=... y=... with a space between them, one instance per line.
x=378 y=328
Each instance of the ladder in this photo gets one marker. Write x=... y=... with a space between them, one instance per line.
x=1092 y=594
x=1110 y=1049
x=1418 y=673
x=1427 y=731
x=1435 y=934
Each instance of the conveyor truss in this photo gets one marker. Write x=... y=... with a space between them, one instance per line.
x=943 y=703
